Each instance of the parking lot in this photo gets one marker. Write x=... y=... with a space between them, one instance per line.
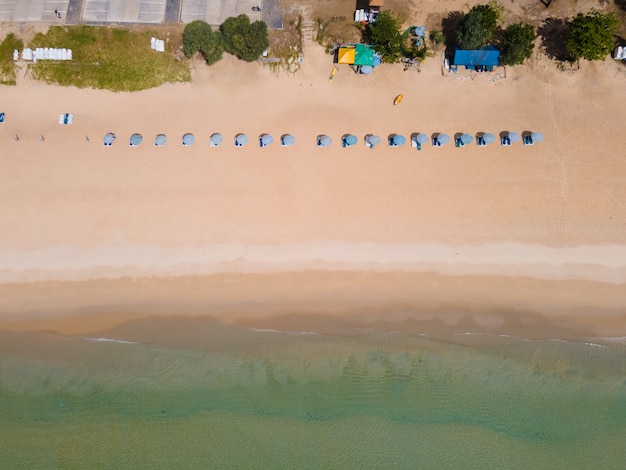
x=213 y=12
x=122 y=11
x=23 y=11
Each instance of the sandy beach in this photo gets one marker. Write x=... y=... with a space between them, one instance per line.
x=76 y=213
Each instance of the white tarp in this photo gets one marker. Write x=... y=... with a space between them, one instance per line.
x=45 y=53
x=157 y=44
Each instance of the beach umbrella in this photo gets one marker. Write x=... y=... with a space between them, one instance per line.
x=372 y=140
x=241 y=140
x=366 y=69
x=421 y=139
x=216 y=139
x=266 y=140
x=324 y=141
x=397 y=140
x=188 y=139
x=287 y=140
x=109 y=139
x=466 y=139
x=489 y=138
x=350 y=140
x=159 y=140
x=537 y=136
x=514 y=137
x=376 y=60
x=443 y=139
x=135 y=140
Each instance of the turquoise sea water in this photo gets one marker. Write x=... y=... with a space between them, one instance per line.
x=198 y=394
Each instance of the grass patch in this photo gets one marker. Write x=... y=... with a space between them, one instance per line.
x=7 y=65
x=108 y=58
x=286 y=46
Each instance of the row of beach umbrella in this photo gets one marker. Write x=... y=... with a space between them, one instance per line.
x=348 y=140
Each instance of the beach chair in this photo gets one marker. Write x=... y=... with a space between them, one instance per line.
x=528 y=140
x=480 y=141
x=1 y=117
x=436 y=142
x=506 y=142
x=458 y=142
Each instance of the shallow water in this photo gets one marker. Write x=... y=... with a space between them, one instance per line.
x=199 y=394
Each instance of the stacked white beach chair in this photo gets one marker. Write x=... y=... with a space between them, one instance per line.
x=157 y=44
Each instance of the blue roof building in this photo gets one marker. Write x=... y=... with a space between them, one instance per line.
x=486 y=57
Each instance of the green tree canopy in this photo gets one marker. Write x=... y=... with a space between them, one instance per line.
x=384 y=34
x=244 y=39
x=199 y=37
x=517 y=44
x=591 y=36
x=477 y=28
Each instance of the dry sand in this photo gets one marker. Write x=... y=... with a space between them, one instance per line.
x=77 y=211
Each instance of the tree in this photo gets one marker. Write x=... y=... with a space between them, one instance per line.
x=199 y=37
x=591 y=36
x=477 y=28
x=384 y=34
x=437 y=38
x=517 y=44
x=244 y=39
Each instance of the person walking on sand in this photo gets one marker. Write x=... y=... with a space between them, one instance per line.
x=16 y=138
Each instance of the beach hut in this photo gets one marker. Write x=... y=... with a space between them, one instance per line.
x=324 y=141
x=109 y=139
x=348 y=140
x=287 y=140
x=135 y=140
x=395 y=140
x=482 y=59
x=241 y=140
x=159 y=140
x=372 y=140
x=265 y=140
x=440 y=139
x=188 y=139
x=216 y=139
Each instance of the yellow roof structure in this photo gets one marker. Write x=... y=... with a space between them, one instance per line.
x=346 y=55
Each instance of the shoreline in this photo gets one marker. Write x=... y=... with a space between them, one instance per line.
x=602 y=263
x=328 y=301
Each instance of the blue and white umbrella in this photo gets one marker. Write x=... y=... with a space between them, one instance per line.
x=366 y=69
x=188 y=139
x=421 y=139
x=324 y=141
x=514 y=137
x=159 y=140
x=466 y=139
x=489 y=138
x=350 y=140
x=241 y=140
x=287 y=140
x=216 y=139
x=135 y=140
x=397 y=140
x=372 y=140
x=266 y=140
x=109 y=139
x=443 y=139
x=537 y=136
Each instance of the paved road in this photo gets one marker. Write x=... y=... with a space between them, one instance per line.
x=172 y=11
x=272 y=14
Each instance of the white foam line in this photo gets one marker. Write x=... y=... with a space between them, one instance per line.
x=108 y=340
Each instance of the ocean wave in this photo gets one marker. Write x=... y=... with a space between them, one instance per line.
x=293 y=333
x=559 y=340
x=108 y=340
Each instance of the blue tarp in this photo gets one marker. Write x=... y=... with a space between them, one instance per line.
x=488 y=57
